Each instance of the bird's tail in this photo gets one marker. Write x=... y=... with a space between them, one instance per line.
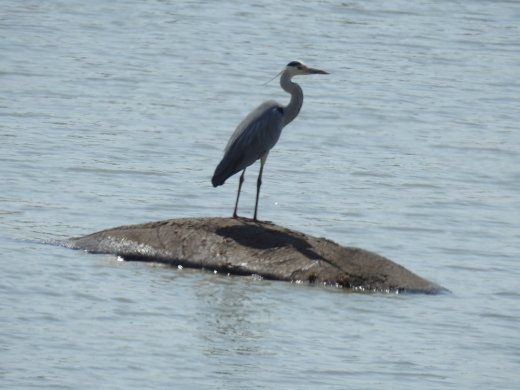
x=220 y=176
x=225 y=169
x=217 y=180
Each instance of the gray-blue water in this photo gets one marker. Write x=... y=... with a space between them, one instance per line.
x=117 y=113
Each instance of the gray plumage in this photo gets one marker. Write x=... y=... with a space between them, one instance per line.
x=260 y=130
x=254 y=136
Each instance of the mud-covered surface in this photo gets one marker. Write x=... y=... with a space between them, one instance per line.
x=244 y=247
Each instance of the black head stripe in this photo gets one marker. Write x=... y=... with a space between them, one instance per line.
x=294 y=63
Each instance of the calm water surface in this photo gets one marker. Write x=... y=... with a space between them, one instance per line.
x=117 y=112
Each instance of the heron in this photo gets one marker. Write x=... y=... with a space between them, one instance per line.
x=259 y=131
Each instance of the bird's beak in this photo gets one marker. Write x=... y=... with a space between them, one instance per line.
x=316 y=71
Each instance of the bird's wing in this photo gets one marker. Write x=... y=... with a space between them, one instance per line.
x=254 y=136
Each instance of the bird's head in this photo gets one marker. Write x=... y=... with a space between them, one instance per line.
x=296 y=68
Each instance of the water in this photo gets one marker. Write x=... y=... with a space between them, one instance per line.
x=117 y=112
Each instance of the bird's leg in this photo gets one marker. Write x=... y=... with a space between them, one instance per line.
x=259 y=183
x=240 y=181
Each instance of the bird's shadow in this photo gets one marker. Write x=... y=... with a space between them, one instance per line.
x=259 y=236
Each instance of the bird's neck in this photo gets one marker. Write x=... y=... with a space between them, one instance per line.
x=293 y=108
